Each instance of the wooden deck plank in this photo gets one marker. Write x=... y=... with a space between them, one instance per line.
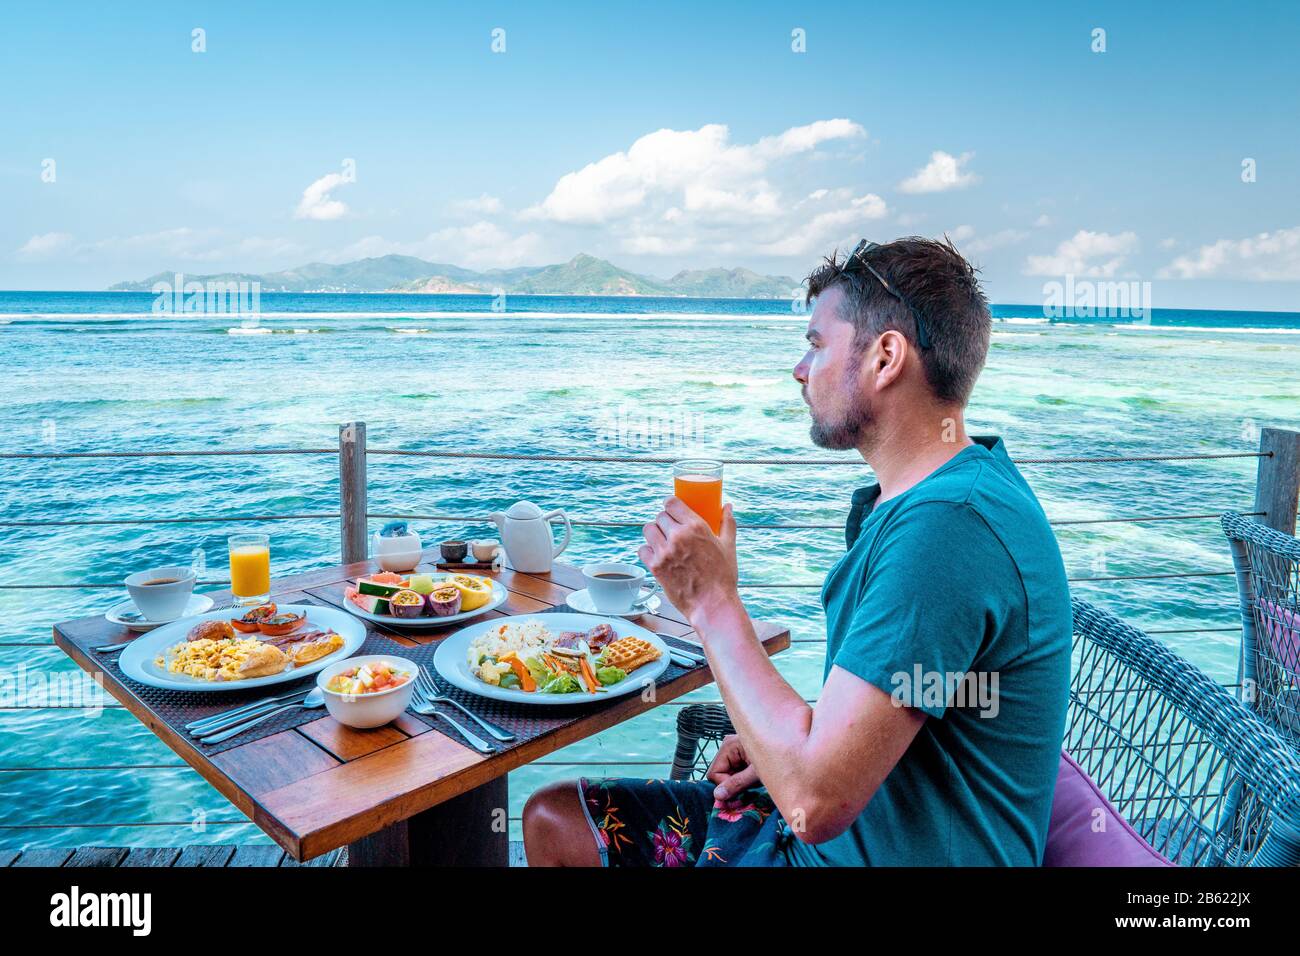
x=244 y=855
x=209 y=856
x=151 y=856
x=43 y=857
x=256 y=855
x=325 y=859
x=101 y=856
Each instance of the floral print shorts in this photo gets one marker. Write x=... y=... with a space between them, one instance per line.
x=678 y=823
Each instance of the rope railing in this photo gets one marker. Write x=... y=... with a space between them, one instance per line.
x=795 y=585
x=583 y=522
x=589 y=459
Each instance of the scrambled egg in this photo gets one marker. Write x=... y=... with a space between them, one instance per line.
x=206 y=659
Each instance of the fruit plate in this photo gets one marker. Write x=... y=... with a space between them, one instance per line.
x=451 y=663
x=137 y=661
x=499 y=597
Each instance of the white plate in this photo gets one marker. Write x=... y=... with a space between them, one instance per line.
x=449 y=660
x=137 y=661
x=126 y=614
x=499 y=597
x=581 y=602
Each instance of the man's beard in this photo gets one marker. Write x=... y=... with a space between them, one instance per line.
x=851 y=431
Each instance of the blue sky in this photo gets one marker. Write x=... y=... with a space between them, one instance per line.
x=998 y=125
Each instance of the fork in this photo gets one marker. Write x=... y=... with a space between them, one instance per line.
x=235 y=714
x=433 y=693
x=421 y=705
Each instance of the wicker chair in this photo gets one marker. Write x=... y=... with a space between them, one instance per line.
x=1267 y=563
x=1193 y=771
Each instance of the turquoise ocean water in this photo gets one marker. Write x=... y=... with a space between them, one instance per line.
x=95 y=371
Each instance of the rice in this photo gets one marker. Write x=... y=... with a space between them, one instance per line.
x=525 y=638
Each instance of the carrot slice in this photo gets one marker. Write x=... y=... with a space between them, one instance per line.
x=525 y=676
x=587 y=676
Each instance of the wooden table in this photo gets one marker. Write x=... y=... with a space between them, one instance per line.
x=403 y=794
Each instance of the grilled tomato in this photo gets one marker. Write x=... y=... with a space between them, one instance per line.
x=281 y=623
x=255 y=616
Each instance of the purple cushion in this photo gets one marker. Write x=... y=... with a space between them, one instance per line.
x=1086 y=830
x=1283 y=629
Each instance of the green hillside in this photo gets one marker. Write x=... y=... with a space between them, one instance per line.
x=581 y=275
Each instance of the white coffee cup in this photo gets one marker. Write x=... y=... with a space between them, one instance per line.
x=484 y=549
x=161 y=602
x=614 y=588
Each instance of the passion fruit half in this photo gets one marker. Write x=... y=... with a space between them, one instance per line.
x=406 y=603
x=444 y=600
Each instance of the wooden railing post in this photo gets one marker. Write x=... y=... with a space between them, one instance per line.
x=352 y=491
x=1277 y=483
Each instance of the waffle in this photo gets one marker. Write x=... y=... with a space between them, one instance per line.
x=629 y=653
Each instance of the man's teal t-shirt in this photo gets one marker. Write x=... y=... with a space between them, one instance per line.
x=958 y=575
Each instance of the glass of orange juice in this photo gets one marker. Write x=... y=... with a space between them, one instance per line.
x=698 y=482
x=250 y=568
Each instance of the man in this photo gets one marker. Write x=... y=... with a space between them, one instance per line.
x=936 y=735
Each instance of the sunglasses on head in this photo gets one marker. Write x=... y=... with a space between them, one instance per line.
x=858 y=260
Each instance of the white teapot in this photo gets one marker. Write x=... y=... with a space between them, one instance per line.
x=396 y=552
x=526 y=535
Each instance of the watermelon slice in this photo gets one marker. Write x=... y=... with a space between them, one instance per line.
x=374 y=585
x=370 y=603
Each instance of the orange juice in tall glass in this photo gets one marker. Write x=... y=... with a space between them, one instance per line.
x=250 y=568
x=698 y=483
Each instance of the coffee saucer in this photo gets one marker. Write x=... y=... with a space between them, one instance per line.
x=126 y=614
x=580 y=601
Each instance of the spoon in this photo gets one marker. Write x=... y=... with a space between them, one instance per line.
x=315 y=699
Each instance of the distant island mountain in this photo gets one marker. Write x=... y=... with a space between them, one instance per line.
x=581 y=275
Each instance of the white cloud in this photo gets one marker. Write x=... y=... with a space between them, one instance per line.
x=316 y=202
x=1043 y=220
x=840 y=226
x=1086 y=253
x=484 y=205
x=1266 y=257
x=996 y=240
x=698 y=171
x=44 y=246
x=802 y=139
x=961 y=233
x=674 y=192
x=943 y=172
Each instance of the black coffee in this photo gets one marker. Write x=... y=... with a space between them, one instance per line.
x=614 y=576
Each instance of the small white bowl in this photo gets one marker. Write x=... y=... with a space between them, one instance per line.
x=364 y=711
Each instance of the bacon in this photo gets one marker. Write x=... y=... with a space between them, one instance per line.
x=293 y=637
x=568 y=639
x=599 y=636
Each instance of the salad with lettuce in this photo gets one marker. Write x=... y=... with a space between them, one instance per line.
x=554 y=671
